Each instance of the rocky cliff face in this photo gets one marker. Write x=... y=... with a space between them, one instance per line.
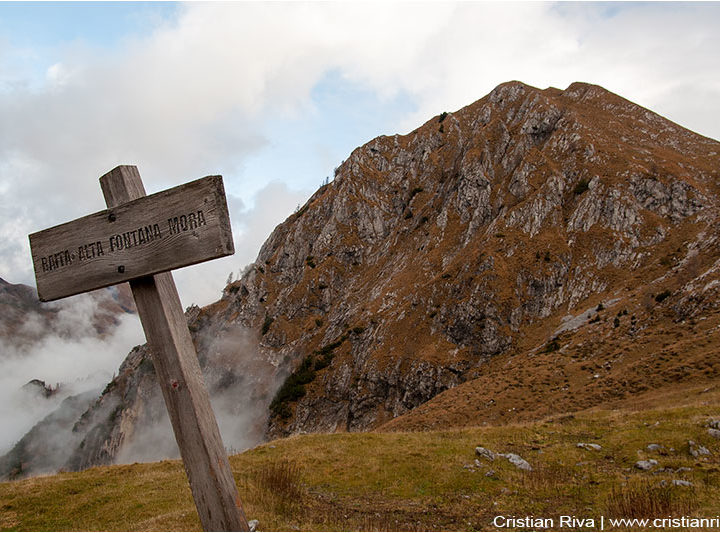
x=41 y=340
x=434 y=252
x=437 y=260
x=128 y=422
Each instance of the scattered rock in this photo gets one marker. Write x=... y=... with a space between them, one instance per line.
x=683 y=469
x=655 y=447
x=516 y=460
x=667 y=469
x=715 y=424
x=589 y=446
x=646 y=465
x=253 y=524
x=696 y=450
x=681 y=483
x=490 y=473
x=714 y=433
x=485 y=453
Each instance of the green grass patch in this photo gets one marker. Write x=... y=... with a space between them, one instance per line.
x=552 y=346
x=329 y=348
x=293 y=388
x=407 y=481
x=415 y=191
x=266 y=324
x=662 y=296
x=581 y=186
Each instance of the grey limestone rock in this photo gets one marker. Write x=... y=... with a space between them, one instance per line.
x=517 y=461
x=681 y=483
x=589 y=446
x=696 y=450
x=485 y=453
x=648 y=464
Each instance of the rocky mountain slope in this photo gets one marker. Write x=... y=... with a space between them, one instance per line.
x=538 y=251
x=468 y=240
x=37 y=340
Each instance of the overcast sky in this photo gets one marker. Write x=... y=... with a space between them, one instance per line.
x=273 y=96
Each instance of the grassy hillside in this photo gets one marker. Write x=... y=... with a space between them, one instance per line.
x=410 y=481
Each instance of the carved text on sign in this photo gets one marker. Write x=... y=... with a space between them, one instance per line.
x=128 y=239
x=177 y=227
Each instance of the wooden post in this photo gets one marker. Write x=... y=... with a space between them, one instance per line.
x=178 y=372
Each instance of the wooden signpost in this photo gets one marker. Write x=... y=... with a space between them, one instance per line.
x=140 y=239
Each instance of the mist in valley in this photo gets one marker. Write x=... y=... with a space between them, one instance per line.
x=67 y=354
x=241 y=383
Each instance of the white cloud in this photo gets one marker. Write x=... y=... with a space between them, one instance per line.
x=202 y=284
x=194 y=97
x=67 y=353
x=57 y=75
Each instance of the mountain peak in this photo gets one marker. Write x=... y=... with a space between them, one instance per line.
x=447 y=246
x=537 y=251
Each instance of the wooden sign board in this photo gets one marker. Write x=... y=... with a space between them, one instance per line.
x=139 y=239
x=174 y=228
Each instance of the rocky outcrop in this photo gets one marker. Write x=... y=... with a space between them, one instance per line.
x=129 y=421
x=446 y=243
x=48 y=445
x=39 y=388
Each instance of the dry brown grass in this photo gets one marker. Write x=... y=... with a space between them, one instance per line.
x=650 y=499
x=405 y=481
x=546 y=478
x=280 y=479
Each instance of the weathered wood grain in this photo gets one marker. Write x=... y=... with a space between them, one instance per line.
x=177 y=227
x=180 y=378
